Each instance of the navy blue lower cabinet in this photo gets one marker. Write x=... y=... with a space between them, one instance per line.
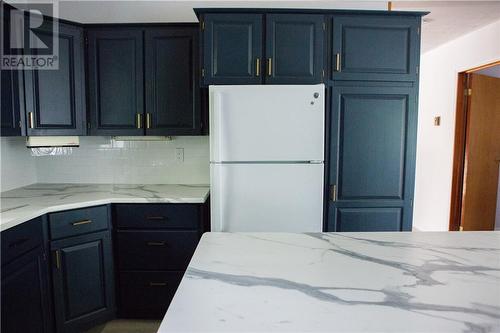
x=372 y=157
x=25 y=294
x=83 y=281
x=147 y=294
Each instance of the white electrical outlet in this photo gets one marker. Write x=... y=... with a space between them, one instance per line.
x=179 y=154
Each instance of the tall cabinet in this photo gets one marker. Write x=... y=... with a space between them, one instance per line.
x=373 y=122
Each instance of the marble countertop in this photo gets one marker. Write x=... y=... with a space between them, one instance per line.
x=340 y=282
x=25 y=203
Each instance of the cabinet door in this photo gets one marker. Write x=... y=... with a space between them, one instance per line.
x=294 y=48
x=12 y=97
x=375 y=48
x=372 y=158
x=25 y=294
x=232 y=49
x=116 y=81
x=83 y=282
x=11 y=104
x=55 y=99
x=172 y=88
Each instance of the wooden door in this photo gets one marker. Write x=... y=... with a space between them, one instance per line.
x=172 y=89
x=83 y=282
x=25 y=294
x=294 y=48
x=232 y=49
x=482 y=154
x=116 y=81
x=384 y=48
x=372 y=158
x=55 y=99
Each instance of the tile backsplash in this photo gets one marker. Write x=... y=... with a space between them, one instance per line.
x=103 y=160
x=17 y=166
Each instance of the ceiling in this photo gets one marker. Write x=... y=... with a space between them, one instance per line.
x=447 y=20
x=451 y=19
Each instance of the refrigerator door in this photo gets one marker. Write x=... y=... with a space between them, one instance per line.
x=266 y=197
x=267 y=123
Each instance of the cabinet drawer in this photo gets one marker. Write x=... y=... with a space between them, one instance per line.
x=157 y=216
x=78 y=221
x=156 y=250
x=20 y=239
x=147 y=294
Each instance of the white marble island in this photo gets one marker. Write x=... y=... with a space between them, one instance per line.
x=349 y=282
x=25 y=203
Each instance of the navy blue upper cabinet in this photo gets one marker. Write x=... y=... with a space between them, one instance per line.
x=11 y=104
x=55 y=99
x=375 y=47
x=294 y=48
x=83 y=281
x=116 y=83
x=232 y=51
x=172 y=89
x=372 y=157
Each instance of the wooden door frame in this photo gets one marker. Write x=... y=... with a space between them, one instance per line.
x=459 y=150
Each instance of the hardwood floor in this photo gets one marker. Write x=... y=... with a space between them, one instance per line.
x=127 y=326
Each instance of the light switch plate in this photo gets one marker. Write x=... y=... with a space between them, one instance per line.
x=437 y=121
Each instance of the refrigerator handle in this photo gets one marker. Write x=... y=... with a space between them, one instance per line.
x=216 y=195
x=218 y=125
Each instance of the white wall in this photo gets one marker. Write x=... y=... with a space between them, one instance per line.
x=438 y=83
x=16 y=164
x=102 y=160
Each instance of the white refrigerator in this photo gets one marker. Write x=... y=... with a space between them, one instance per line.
x=266 y=157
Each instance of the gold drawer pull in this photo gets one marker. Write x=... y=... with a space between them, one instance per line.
x=148 y=120
x=257 y=67
x=269 y=67
x=155 y=243
x=338 y=65
x=31 y=121
x=138 y=120
x=81 y=222
x=157 y=284
x=155 y=217
x=58 y=259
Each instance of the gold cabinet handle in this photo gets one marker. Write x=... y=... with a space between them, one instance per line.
x=138 y=120
x=148 y=120
x=31 y=120
x=155 y=243
x=269 y=66
x=155 y=217
x=257 y=67
x=337 y=62
x=81 y=222
x=333 y=192
x=157 y=284
x=58 y=259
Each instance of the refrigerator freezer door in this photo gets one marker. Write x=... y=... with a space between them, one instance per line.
x=266 y=197
x=267 y=123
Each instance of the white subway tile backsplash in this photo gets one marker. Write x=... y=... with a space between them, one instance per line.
x=17 y=166
x=103 y=160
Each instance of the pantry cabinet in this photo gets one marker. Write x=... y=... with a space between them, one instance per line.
x=372 y=157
